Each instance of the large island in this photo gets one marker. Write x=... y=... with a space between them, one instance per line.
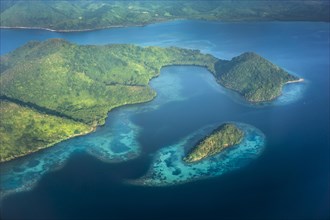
x=67 y=89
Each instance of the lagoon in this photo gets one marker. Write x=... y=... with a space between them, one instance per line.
x=288 y=180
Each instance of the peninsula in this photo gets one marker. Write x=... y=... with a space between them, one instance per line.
x=253 y=77
x=223 y=137
x=54 y=90
x=67 y=89
x=68 y=15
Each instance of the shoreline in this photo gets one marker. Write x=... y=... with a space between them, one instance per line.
x=248 y=129
x=64 y=31
x=87 y=29
x=152 y=22
x=295 y=81
x=93 y=129
x=254 y=102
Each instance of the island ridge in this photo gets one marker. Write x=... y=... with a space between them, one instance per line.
x=225 y=136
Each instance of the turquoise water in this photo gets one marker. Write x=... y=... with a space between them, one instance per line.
x=117 y=141
x=168 y=168
x=103 y=172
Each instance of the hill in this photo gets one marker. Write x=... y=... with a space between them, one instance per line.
x=85 y=82
x=24 y=130
x=225 y=136
x=253 y=77
x=70 y=15
x=54 y=90
x=73 y=86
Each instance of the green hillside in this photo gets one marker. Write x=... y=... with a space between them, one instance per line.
x=85 y=82
x=70 y=86
x=221 y=138
x=252 y=76
x=24 y=130
x=79 y=15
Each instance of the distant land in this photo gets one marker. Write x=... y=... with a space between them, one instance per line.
x=67 y=89
x=71 y=15
x=225 y=136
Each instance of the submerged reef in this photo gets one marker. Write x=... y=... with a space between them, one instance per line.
x=168 y=168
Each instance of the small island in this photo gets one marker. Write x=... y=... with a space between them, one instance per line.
x=169 y=168
x=225 y=136
x=71 y=88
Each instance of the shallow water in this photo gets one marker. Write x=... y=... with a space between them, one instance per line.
x=289 y=180
x=118 y=141
x=168 y=167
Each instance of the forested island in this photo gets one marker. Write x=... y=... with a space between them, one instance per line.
x=225 y=136
x=70 y=15
x=54 y=90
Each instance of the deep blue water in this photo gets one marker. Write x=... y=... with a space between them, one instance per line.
x=289 y=180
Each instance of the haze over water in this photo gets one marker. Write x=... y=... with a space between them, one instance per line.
x=290 y=179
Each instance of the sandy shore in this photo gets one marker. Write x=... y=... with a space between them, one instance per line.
x=90 y=29
x=62 y=31
x=295 y=81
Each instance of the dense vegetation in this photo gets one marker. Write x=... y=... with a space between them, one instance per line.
x=254 y=77
x=85 y=82
x=78 y=85
x=81 y=84
x=24 y=130
x=79 y=15
x=223 y=137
